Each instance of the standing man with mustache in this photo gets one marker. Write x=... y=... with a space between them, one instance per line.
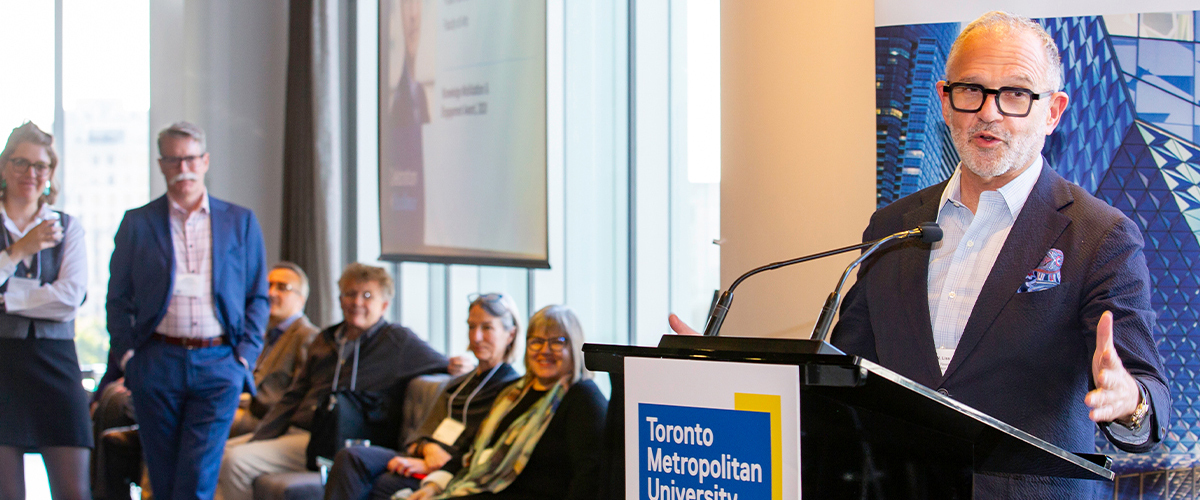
x=187 y=305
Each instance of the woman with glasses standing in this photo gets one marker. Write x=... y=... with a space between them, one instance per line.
x=541 y=439
x=43 y=281
x=361 y=472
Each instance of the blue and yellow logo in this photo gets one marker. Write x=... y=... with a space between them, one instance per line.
x=710 y=453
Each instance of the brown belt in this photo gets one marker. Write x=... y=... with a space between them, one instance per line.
x=190 y=343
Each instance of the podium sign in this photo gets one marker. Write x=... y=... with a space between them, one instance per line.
x=711 y=430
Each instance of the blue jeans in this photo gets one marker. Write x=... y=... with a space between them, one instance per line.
x=360 y=473
x=185 y=400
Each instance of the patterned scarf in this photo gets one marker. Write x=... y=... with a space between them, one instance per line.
x=490 y=470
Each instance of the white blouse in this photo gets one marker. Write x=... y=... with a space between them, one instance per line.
x=58 y=300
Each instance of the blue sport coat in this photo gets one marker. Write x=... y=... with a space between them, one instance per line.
x=1024 y=358
x=142 y=278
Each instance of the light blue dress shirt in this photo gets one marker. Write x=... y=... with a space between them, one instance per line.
x=960 y=263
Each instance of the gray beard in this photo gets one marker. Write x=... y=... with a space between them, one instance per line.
x=1016 y=152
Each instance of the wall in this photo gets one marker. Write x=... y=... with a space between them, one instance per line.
x=222 y=64
x=797 y=157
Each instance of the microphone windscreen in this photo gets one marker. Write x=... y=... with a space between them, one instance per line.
x=931 y=232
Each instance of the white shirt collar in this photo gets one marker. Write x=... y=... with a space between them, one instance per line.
x=1015 y=193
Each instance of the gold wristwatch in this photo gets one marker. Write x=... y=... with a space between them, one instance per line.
x=1135 y=421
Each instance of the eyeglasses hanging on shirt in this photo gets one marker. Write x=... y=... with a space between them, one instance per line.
x=338 y=371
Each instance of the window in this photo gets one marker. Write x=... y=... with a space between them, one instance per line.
x=104 y=144
x=99 y=121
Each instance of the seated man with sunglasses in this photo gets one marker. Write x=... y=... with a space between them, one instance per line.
x=285 y=345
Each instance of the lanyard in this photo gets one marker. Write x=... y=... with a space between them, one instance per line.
x=467 y=404
x=342 y=361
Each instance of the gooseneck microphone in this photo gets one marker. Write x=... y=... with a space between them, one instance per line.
x=929 y=232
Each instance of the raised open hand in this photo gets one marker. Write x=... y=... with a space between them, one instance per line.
x=1116 y=395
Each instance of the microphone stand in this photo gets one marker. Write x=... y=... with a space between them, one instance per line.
x=721 y=306
x=929 y=232
x=821 y=329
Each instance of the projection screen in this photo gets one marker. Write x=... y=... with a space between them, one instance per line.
x=462 y=132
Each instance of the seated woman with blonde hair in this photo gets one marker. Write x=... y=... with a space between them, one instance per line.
x=541 y=439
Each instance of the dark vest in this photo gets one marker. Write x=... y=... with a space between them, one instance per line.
x=15 y=326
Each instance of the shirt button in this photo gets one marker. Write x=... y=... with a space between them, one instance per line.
x=970 y=243
x=951 y=295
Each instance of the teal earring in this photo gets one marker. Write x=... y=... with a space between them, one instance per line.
x=46 y=192
x=3 y=184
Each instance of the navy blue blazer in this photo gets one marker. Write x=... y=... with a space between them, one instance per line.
x=142 y=277
x=1024 y=358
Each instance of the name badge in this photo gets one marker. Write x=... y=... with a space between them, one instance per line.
x=18 y=286
x=189 y=285
x=448 y=431
x=944 y=357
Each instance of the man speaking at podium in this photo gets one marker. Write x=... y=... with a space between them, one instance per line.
x=1035 y=306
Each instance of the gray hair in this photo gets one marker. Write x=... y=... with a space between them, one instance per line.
x=561 y=320
x=358 y=272
x=1003 y=22
x=293 y=267
x=183 y=129
x=504 y=308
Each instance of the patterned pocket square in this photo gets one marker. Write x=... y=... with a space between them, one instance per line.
x=1047 y=275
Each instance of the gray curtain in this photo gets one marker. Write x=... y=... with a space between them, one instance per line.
x=312 y=158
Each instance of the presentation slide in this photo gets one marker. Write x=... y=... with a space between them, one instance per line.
x=462 y=124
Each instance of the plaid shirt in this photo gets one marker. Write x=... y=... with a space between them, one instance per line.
x=961 y=262
x=191 y=237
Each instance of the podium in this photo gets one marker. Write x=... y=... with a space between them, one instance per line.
x=864 y=431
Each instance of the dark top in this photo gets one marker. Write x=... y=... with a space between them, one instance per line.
x=481 y=404
x=565 y=464
x=389 y=357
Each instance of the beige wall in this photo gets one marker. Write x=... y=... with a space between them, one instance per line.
x=798 y=153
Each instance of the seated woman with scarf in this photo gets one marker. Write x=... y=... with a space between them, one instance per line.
x=541 y=439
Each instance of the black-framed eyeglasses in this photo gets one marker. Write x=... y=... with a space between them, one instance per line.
x=1016 y=102
x=280 y=286
x=175 y=161
x=535 y=344
x=21 y=165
